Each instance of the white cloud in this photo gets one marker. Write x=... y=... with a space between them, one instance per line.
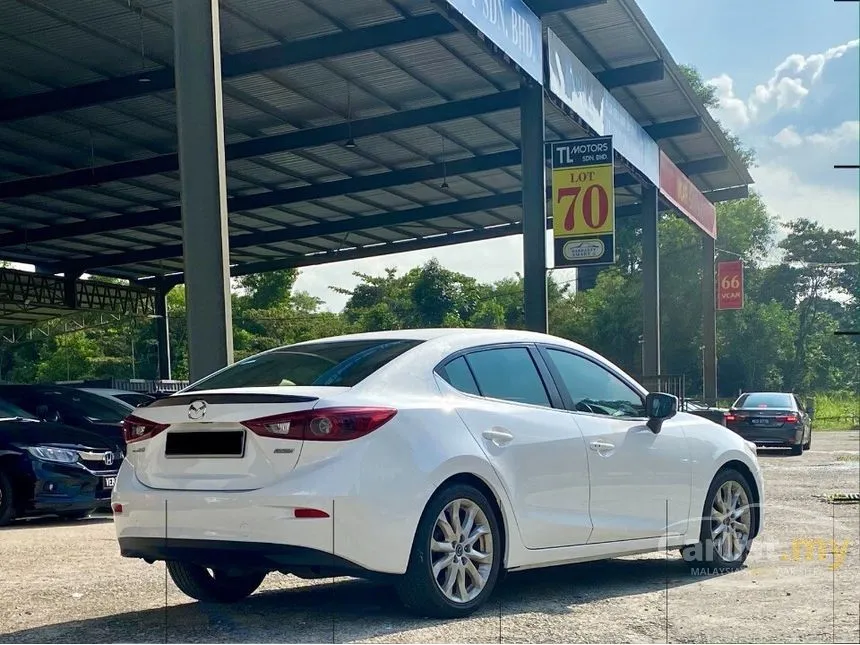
x=785 y=90
x=788 y=138
x=788 y=196
x=846 y=133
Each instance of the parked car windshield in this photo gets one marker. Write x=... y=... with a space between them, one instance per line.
x=336 y=364
x=765 y=400
x=11 y=411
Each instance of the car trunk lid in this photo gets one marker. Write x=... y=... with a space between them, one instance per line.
x=201 y=440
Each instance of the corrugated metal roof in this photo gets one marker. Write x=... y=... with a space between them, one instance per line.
x=71 y=42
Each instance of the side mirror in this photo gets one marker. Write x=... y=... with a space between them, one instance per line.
x=660 y=407
x=810 y=407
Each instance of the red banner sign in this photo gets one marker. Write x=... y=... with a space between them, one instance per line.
x=730 y=285
x=683 y=195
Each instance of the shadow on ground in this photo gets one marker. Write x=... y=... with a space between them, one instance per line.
x=358 y=611
x=51 y=521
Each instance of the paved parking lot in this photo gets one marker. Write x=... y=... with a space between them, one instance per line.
x=65 y=582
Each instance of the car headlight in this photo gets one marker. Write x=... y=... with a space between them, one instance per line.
x=59 y=455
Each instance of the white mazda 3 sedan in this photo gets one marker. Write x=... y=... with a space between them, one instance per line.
x=434 y=459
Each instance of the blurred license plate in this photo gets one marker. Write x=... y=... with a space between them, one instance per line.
x=109 y=482
x=760 y=422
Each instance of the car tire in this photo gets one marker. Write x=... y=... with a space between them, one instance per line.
x=808 y=444
x=215 y=586
x=7 y=500
x=473 y=535
x=712 y=552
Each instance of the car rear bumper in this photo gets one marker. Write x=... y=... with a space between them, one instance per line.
x=258 y=522
x=771 y=436
x=224 y=554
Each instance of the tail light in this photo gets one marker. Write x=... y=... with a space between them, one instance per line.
x=326 y=424
x=788 y=418
x=731 y=417
x=137 y=429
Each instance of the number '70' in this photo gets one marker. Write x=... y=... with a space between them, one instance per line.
x=594 y=206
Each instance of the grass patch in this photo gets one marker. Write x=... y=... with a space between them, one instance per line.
x=836 y=412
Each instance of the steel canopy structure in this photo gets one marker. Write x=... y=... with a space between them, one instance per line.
x=351 y=129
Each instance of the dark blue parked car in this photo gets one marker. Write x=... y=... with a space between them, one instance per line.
x=51 y=468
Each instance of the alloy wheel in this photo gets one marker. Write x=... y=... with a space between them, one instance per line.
x=461 y=551
x=731 y=518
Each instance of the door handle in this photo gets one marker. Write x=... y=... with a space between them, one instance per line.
x=600 y=446
x=498 y=436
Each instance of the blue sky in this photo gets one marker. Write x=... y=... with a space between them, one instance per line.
x=804 y=56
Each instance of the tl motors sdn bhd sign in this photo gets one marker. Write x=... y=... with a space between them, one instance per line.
x=583 y=202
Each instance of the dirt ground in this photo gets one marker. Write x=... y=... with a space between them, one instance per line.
x=65 y=582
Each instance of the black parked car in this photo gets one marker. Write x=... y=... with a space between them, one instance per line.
x=50 y=468
x=772 y=419
x=72 y=407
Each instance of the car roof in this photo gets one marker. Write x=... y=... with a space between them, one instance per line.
x=426 y=334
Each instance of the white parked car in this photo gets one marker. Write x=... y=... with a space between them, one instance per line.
x=435 y=459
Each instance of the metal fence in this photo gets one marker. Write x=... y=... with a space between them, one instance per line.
x=667 y=384
x=147 y=386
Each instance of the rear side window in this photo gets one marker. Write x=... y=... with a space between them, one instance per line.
x=508 y=373
x=335 y=364
x=766 y=400
x=458 y=374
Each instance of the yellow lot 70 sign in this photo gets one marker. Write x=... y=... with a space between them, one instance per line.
x=583 y=202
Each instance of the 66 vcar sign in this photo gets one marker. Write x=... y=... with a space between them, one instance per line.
x=730 y=285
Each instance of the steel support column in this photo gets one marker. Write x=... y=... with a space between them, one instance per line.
x=534 y=207
x=650 y=282
x=162 y=331
x=205 y=237
x=709 y=321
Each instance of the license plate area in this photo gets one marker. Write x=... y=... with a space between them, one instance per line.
x=209 y=444
x=761 y=422
x=108 y=482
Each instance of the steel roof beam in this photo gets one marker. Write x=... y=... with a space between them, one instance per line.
x=689 y=168
x=632 y=75
x=233 y=65
x=308 y=138
x=446 y=239
x=679 y=128
x=293 y=233
x=377 y=181
x=728 y=194
x=544 y=7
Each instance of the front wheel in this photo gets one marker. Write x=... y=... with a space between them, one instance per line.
x=213 y=585
x=456 y=556
x=7 y=500
x=727 y=524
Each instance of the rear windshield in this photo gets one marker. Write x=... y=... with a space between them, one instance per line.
x=765 y=400
x=335 y=364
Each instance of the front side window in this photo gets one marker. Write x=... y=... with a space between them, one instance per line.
x=334 y=363
x=594 y=389
x=509 y=374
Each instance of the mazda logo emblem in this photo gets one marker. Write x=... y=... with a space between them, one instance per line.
x=108 y=457
x=197 y=410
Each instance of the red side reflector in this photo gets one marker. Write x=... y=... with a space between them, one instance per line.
x=116 y=508
x=310 y=513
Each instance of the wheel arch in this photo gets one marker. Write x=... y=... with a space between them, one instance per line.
x=743 y=469
x=471 y=479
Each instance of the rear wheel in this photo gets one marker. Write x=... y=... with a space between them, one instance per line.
x=727 y=524
x=213 y=585
x=7 y=500
x=808 y=443
x=456 y=556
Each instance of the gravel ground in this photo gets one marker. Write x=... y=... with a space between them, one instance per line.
x=65 y=582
